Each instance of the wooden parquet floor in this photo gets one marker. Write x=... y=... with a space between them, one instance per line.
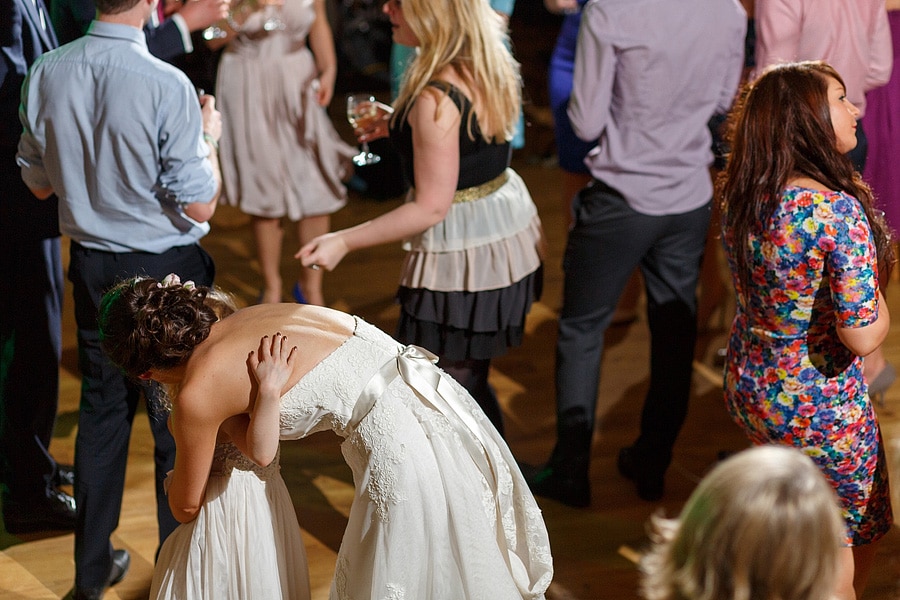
x=591 y=546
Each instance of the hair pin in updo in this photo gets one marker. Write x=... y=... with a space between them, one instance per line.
x=172 y=280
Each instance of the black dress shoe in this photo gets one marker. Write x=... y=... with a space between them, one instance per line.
x=120 y=562
x=648 y=482
x=550 y=482
x=56 y=512
x=65 y=475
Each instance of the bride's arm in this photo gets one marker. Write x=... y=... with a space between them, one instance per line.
x=194 y=430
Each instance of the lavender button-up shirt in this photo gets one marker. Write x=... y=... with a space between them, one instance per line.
x=649 y=74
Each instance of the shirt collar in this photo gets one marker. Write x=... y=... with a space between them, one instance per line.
x=117 y=31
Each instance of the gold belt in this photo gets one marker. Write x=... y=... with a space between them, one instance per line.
x=480 y=191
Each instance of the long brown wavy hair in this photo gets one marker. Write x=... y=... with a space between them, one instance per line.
x=780 y=129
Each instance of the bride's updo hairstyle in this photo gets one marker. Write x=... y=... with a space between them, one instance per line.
x=149 y=324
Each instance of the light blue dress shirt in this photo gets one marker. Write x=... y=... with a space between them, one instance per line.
x=117 y=134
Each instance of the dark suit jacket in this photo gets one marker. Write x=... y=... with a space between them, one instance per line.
x=22 y=41
x=72 y=17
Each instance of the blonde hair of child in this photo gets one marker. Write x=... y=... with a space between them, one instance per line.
x=762 y=525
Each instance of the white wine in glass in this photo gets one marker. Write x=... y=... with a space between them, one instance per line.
x=240 y=10
x=272 y=15
x=362 y=110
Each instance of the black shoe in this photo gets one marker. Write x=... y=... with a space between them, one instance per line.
x=56 y=512
x=120 y=562
x=648 y=482
x=65 y=475
x=569 y=489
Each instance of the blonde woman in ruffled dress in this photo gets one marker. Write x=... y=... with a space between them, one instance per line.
x=472 y=232
x=281 y=156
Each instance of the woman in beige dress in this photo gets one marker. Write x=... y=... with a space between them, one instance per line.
x=280 y=154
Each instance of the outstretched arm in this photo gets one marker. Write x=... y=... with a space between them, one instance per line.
x=435 y=123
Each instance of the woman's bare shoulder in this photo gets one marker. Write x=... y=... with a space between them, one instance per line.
x=809 y=184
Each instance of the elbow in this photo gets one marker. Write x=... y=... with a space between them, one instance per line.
x=863 y=349
x=184 y=514
x=438 y=214
x=42 y=193
x=202 y=211
x=263 y=459
x=865 y=340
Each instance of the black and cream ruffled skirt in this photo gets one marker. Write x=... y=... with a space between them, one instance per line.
x=468 y=282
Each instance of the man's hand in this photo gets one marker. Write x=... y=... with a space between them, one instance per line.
x=212 y=119
x=561 y=7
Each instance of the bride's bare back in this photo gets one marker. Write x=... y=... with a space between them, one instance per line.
x=218 y=386
x=218 y=367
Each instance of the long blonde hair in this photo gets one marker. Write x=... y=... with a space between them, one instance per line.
x=471 y=38
x=762 y=525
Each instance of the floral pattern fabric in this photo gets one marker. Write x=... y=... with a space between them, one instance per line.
x=789 y=379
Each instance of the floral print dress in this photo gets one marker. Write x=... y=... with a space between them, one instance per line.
x=789 y=379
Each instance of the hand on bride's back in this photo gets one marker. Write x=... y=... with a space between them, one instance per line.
x=272 y=363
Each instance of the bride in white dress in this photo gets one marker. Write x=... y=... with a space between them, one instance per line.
x=441 y=510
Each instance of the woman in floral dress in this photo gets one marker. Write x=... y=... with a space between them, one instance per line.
x=805 y=248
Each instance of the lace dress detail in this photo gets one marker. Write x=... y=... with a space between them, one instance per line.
x=244 y=543
x=228 y=458
x=441 y=511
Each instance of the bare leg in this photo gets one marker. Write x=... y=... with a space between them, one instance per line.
x=268 y=234
x=310 y=280
x=844 y=588
x=863 y=559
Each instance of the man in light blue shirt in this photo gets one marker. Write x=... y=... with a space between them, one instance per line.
x=120 y=137
x=648 y=76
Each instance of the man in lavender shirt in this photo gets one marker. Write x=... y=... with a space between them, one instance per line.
x=649 y=74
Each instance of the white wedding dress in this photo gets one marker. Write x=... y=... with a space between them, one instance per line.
x=441 y=510
x=245 y=543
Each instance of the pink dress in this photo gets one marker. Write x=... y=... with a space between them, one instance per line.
x=882 y=125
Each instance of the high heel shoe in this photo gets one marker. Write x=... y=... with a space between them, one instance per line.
x=298 y=294
x=880 y=384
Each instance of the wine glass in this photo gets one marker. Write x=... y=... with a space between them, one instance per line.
x=214 y=32
x=240 y=10
x=272 y=15
x=362 y=110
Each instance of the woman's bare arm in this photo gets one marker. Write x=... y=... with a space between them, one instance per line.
x=435 y=123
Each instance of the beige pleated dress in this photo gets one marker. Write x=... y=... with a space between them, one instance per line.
x=280 y=153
